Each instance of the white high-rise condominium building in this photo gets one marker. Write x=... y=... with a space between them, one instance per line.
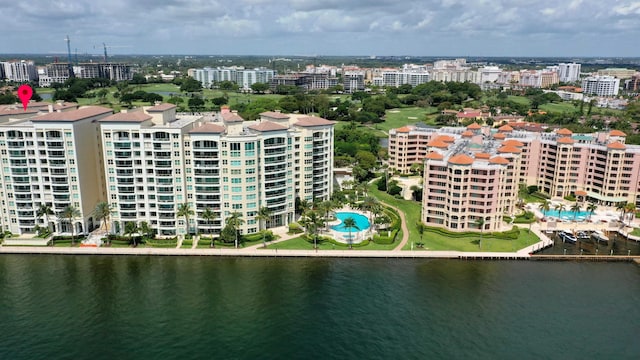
x=53 y=160
x=20 y=71
x=600 y=85
x=155 y=162
x=241 y=76
x=569 y=72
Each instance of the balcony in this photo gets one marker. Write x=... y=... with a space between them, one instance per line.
x=206 y=172
x=165 y=199
x=20 y=179
x=213 y=181
x=162 y=155
x=124 y=163
x=164 y=181
x=207 y=189
x=58 y=172
x=164 y=190
x=17 y=153
x=122 y=145
x=205 y=154
x=123 y=154
x=163 y=163
x=55 y=154
x=208 y=198
x=127 y=198
x=61 y=197
x=124 y=172
x=55 y=145
x=126 y=189
x=15 y=144
x=125 y=181
x=165 y=207
x=60 y=189
x=275 y=160
x=127 y=206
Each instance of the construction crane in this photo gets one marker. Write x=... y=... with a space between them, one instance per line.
x=105 y=46
x=69 y=64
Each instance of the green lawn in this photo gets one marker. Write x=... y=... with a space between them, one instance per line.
x=558 y=107
x=299 y=243
x=411 y=210
x=436 y=241
x=395 y=118
x=520 y=99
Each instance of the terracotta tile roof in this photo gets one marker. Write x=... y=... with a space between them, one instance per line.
x=509 y=149
x=469 y=115
x=616 y=145
x=617 y=133
x=313 y=121
x=232 y=117
x=404 y=129
x=505 y=128
x=74 y=115
x=446 y=138
x=8 y=111
x=161 y=107
x=566 y=140
x=461 y=159
x=208 y=128
x=499 y=136
x=134 y=116
x=483 y=156
x=581 y=193
x=467 y=134
x=474 y=126
x=512 y=142
x=499 y=160
x=438 y=143
x=274 y=115
x=434 y=156
x=565 y=131
x=265 y=126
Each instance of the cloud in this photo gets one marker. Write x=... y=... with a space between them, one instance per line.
x=324 y=27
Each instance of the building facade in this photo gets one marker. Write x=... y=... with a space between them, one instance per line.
x=227 y=166
x=569 y=72
x=20 y=71
x=600 y=166
x=54 y=160
x=601 y=85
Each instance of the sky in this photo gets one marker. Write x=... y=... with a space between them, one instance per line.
x=572 y=28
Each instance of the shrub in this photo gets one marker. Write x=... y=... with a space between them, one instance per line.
x=570 y=197
x=295 y=228
x=506 y=219
x=394 y=190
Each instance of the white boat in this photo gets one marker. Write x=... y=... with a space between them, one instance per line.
x=567 y=237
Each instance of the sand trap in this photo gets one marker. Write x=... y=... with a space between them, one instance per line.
x=394 y=111
x=412 y=117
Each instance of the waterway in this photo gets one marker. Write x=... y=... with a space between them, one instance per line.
x=138 y=307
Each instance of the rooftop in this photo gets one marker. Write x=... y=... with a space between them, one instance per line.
x=265 y=126
x=134 y=116
x=208 y=128
x=74 y=115
x=161 y=107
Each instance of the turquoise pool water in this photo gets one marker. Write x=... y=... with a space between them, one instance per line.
x=567 y=215
x=361 y=221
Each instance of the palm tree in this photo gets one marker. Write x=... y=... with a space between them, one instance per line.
x=102 y=212
x=185 y=211
x=350 y=223
x=629 y=208
x=304 y=206
x=209 y=216
x=144 y=229
x=480 y=223
x=591 y=208
x=369 y=204
x=421 y=228
x=264 y=214
x=326 y=207
x=560 y=208
x=130 y=228
x=45 y=210
x=70 y=213
x=235 y=220
x=575 y=208
x=620 y=207
x=545 y=207
x=312 y=222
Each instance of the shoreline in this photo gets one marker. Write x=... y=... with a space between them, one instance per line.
x=272 y=253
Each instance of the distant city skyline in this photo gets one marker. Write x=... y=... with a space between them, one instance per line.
x=578 y=28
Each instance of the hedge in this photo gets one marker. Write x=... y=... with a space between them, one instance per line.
x=187 y=242
x=258 y=236
x=506 y=235
x=335 y=242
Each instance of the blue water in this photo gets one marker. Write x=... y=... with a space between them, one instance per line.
x=567 y=215
x=361 y=221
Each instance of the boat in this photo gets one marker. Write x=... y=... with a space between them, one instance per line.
x=582 y=235
x=599 y=237
x=567 y=237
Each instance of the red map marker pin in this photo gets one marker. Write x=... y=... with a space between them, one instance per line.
x=24 y=93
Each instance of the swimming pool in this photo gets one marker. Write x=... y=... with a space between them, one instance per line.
x=361 y=221
x=567 y=214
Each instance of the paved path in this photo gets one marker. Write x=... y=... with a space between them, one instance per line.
x=403 y=226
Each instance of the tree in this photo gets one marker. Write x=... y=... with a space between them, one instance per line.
x=560 y=208
x=45 y=210
x=131 y=228
x=326 y=207
x=196 y=103
x=102 y=95
x=235 y=220
x=350 y=223
x=209 y=216
x=629 y=208
x=545 y=207
x=621 y=207
x=190 y=84
x=145 y=230
x=227 y=85
x=312 y=222
x=421 y=228
x=369 y=203
x=260 y=87
x=264 y=214
x=102 y=212
x=480 y=224
x=591 y=208
x=70 y=213
x=575 y=208
x=185 y=211
x=416 y=192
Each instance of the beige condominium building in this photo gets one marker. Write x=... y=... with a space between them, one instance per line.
x=51 y=159
x=155 y=162
x=474 y=172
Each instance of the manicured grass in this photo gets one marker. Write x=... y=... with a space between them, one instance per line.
x=520 y=99
x=636 y=232
x=411 y=209
x=436 y=241
x=395 y=118
x=558 y=107
x=300 y=243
